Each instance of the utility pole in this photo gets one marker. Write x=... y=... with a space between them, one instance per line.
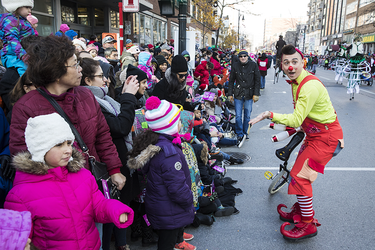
x=239 y=18
x=182 y=16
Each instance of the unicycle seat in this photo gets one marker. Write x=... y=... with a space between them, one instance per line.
x=284 y=152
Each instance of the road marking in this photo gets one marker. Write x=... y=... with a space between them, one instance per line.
x=325 y=78
x=282 y=92
x=326 y=169
x=367 y=91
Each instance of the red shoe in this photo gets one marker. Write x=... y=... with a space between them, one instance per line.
x=284 y=216
x=184 y=246
x=301 y=230
x=188 y=237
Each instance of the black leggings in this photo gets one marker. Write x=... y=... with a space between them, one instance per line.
x=169 y=238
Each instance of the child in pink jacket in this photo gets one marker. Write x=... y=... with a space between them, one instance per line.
x=62 y=196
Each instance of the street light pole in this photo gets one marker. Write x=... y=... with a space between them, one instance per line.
x=182 y=16
x=239 y=18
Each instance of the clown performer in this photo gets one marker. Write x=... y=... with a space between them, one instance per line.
x=313 y=111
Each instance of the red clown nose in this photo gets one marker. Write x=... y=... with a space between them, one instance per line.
x=290 y=68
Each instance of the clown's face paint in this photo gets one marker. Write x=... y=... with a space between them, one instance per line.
x=292 y=65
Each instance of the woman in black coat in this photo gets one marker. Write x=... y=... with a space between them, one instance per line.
x=173 y=86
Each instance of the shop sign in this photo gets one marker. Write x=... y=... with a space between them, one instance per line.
x=130 y=5
x=368 y=39
x=348 y=31
x=324 y=38
x=334 y=36
x=339 y=35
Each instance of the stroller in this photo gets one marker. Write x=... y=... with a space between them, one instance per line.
x=366 y=79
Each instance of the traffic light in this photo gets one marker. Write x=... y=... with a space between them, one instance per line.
x=166 y=7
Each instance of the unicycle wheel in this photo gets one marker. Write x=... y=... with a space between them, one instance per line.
x=278 y=182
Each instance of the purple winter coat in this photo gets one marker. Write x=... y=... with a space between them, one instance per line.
x=169 y=200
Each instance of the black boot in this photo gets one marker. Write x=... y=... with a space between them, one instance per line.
x=224 y=211
x=148 y=236
x=233 y=160
x=204 y=219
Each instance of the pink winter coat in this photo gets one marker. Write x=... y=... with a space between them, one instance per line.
x=64 y=203
x=84 y=112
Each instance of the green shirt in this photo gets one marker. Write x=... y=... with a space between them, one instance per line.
x=313 y=102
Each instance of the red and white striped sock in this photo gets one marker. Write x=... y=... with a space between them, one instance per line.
x=307 y=212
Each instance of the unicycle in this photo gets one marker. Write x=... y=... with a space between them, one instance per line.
x=282 y=177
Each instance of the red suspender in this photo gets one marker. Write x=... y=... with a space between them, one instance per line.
x=306 y=79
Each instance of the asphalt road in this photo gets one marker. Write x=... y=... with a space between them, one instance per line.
x=343 y=196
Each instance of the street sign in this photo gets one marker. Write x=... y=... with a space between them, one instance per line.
x=130 y=5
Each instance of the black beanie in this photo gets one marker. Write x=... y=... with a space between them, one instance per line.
x=161 y=59
x=134 y=71
x=179 y=64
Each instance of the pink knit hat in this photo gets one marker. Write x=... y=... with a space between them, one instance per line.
x=88 y=48
x=32 y=19
x=162 y=116
x=64 y=27
x=189 y=80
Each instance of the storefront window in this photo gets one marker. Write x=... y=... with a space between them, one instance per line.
x=163 y=31
x=45 y=25
x=142 y=29
x=156 y=30
x=44 y=6
x=352 y=7
x=147 y=30
x=99 y=17
x=115 y=19
x=136 y=28
x=67 y=14
x=83 y=16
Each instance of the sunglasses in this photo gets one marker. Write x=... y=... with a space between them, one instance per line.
x=182 y=75
x=242 y=56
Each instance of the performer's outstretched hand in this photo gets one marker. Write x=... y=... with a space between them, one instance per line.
x=262 y=116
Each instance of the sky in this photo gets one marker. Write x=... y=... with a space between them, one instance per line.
x=254 y=25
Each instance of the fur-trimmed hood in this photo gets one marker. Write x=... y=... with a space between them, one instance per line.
x=144 y=157
x=23 y=162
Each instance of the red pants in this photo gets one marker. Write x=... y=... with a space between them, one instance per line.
x=316 y=151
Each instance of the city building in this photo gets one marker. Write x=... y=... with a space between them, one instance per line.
x=88 y=17
x=360 y=19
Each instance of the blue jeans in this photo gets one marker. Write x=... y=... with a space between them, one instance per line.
x=225 y=155
x=242 y=125
x=99 y=226
x=262 y=82
x=228 y=141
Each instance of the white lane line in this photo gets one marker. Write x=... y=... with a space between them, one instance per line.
x=324 y=78
x=326 y=169
x=282 y=92
x=367 y=91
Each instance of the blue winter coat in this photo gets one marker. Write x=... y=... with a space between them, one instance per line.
x=169 y=200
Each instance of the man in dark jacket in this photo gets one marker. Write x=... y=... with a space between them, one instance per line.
x=279 y=45
x=246 y=74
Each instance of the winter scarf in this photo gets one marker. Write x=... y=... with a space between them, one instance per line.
x=104 y=100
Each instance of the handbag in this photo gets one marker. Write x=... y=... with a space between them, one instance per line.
x=98 y=169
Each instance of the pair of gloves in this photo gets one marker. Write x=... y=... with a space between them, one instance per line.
x=7 y=169
x=255 y=98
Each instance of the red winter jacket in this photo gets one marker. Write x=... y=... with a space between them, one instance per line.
x=202 y=72
x=217 y=67
x=84 y=112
